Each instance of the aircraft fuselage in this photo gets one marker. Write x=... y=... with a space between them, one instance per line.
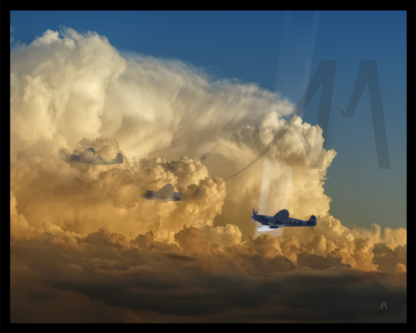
x=155 y=195
x=263 y=219
x=89 y=157
x=281 y=219
x=166 y=193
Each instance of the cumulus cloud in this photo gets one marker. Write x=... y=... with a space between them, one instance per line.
x=82 y=198
x=391 y=237
x=19 y=227
x=81 y=233
x=69 y=86
x=223 y=236
x=143 y=280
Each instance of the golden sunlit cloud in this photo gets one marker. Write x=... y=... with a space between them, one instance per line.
x=81 y=233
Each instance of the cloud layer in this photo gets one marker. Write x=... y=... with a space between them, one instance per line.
x=81 y=238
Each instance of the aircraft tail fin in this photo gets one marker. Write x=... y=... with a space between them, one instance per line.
x=118 y=159
x=313 y=220
x=198 y=194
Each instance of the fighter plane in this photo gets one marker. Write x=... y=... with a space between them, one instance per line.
x=280 y=220
x=166 y=193
x=89 y=157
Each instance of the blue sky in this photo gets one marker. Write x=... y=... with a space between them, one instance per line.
x=280 y=51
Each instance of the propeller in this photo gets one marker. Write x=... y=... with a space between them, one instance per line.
x=252 y=216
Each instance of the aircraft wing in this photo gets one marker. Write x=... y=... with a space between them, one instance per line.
x=266 y=228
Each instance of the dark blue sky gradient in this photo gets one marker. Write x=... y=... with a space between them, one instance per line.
x=280 y=51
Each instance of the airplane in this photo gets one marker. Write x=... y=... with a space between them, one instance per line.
x=89 y=157
x=280 y=220
x=166 y=193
